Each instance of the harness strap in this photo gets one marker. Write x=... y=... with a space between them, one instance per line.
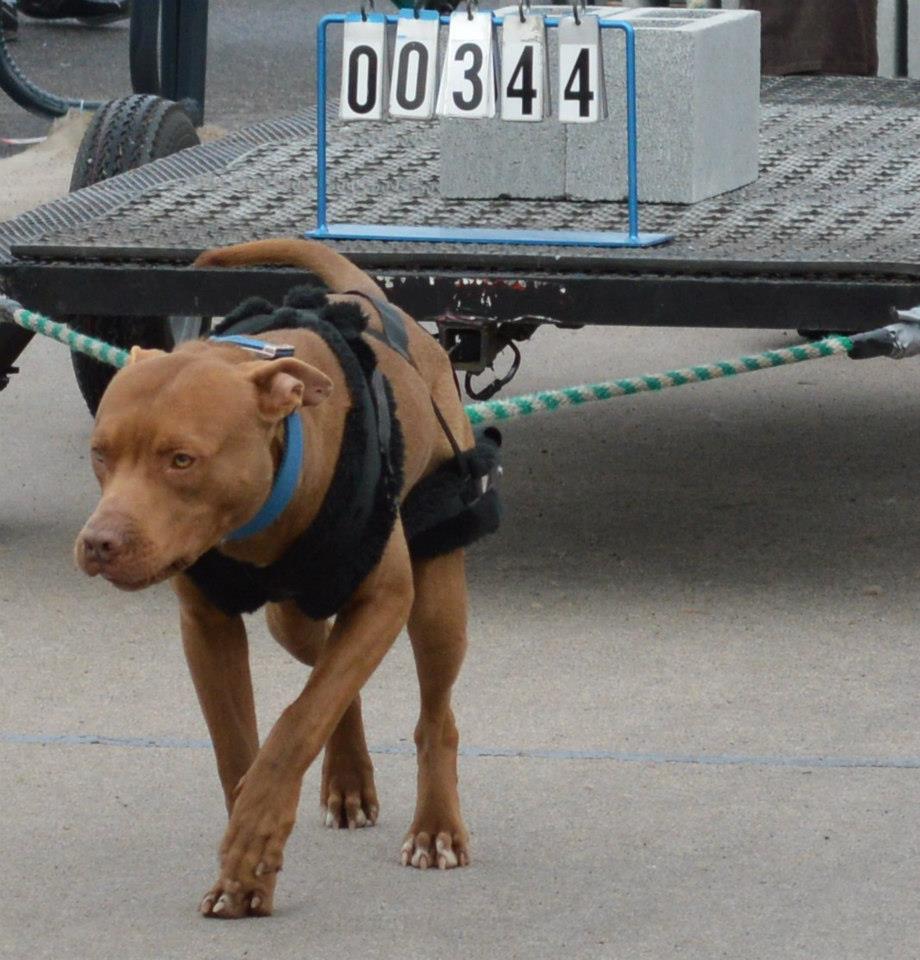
x=396 y=337
x=394 y=333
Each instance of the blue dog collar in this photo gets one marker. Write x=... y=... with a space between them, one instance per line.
x=287 y=478
x=286 y=481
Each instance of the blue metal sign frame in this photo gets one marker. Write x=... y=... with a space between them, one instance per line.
x=486 y=235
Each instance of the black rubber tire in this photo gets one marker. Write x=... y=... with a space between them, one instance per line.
x=123 y=135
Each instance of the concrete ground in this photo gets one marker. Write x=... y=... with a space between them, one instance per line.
x=689 y=712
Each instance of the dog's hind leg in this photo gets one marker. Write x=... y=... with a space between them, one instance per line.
x=437 y=628
x=348 y=797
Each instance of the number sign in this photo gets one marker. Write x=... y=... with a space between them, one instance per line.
x=364 y=54
x=468 y=78
x=413 y=87
x=525 y=68
x=582 y=98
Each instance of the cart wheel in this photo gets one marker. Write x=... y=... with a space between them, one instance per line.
x=125 y=134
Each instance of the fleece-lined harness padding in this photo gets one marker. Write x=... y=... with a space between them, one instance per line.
x=320 y=571
x=457 y=504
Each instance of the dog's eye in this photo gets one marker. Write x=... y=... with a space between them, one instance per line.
x=182 y=461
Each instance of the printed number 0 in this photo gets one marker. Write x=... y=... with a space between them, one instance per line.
x=472 y=75
x=583 y=92
x=421 y=75
x=371 y=93
x=526 y=91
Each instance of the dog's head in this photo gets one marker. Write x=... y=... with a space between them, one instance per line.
x=184 y=449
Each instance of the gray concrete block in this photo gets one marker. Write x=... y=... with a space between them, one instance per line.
x=495 y=158
x=698 y=95
x=492 y=158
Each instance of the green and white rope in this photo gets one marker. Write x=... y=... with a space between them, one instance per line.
x=78 y=342
x=544 y=400
x=491 y=411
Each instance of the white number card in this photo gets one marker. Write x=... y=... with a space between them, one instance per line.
x=525 y=68
x=582 y=97
x=413 y=86
x=364 y=53
x=469 y=75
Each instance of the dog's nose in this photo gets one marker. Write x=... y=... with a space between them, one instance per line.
x=102 y=546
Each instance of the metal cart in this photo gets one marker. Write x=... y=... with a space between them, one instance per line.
x=827 y=239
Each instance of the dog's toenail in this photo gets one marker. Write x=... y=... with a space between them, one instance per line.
x=222 y=904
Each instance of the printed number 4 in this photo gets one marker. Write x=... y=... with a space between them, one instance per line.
x=582 y=92
x=526 y=92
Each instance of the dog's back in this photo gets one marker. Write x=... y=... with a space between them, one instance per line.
x=347 y=282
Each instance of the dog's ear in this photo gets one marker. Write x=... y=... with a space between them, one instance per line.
x=139 y=353
x=286 y=384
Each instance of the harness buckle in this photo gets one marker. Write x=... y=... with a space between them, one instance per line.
x=268 y=351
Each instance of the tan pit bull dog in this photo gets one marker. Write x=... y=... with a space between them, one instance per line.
x=189 y=447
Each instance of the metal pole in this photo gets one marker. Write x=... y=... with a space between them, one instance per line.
x=143 y=50
x=901 y=52
x=631 y=130
x=169 y=48
x=183 y=53
x=193 y=54
x=321 y=223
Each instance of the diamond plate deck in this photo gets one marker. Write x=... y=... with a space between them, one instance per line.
x=838 y=191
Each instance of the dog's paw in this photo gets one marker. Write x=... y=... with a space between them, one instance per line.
x=444 y=849
x=231 y=899
x=348 y=797
x=252 y=850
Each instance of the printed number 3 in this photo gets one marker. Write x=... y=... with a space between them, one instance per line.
x=471 y=74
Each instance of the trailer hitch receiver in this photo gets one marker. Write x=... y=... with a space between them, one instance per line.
x=473 y=344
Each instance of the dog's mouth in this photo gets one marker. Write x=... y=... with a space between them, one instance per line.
x=132 y=584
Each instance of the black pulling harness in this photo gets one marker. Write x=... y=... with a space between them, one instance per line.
x=452 y=507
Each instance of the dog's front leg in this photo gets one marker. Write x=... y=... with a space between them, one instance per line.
x=217 y=652
x=266 y=804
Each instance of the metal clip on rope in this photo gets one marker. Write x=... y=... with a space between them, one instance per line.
x=896 y=341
